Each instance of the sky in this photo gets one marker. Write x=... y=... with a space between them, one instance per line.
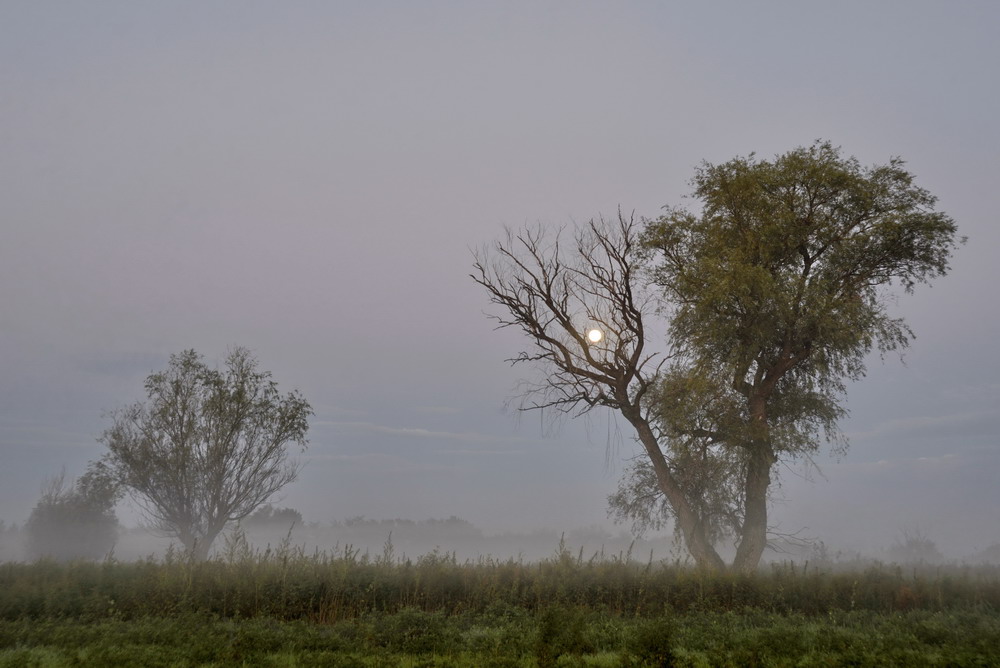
x=310 y=179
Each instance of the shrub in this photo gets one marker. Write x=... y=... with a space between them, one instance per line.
x=269 y=517
x=915 y=548
x=653 y=642
x=76 y=521
x=560 y=631
x=413 y=631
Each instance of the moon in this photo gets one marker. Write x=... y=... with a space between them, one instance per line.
x=595 y=335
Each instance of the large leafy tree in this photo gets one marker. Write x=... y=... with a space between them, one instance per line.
x=207 y=447
x=774 y=293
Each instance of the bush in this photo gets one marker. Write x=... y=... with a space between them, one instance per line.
x=560 y=631
x=653 y=642
x=915 y=548
x=269 y=517
x=413 y=631
x=77 y=522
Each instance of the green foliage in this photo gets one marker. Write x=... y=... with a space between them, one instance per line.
x=711 y=638
x=781 y=278
x=414 y=631
x=653 y=642
x=776 y=292
x=792 y=252
x=560 y=631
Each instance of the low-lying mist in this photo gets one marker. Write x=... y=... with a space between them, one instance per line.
x=406 y=539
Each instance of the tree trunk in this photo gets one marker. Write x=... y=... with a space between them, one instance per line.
x=198 y=546
x=211 y=533
x=753 y=538
x=187 y=539
x=691 y=525
x=200 y=552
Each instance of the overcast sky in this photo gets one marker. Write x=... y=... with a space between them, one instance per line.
x=307 y=179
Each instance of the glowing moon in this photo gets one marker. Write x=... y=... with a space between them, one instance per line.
x=595 y=335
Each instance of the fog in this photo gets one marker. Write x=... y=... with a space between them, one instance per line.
x=453 y=538
x=307 y=180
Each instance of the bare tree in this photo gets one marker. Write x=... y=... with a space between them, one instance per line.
x=207 y=447
x=555 y=290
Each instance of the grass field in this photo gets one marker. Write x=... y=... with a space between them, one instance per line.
x=286 y=608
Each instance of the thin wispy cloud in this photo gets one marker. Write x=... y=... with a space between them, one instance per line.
x=482 y=453
x=383 y=463
x=438 y=410
x=978 y=422
x=426 y=434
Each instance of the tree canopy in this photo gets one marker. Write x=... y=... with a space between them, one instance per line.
x=774 y=293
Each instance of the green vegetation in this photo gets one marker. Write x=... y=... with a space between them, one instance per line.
x=286 y=608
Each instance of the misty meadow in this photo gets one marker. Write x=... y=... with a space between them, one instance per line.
x=499 y=334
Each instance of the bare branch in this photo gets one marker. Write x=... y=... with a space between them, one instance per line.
x=554 y=293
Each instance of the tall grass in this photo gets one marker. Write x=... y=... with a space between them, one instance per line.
x=285 y=583
x=286 y=607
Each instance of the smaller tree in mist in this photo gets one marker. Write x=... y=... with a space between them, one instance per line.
x=75 y=520
x=914 y=547
x=269 y=517
x=207 y=447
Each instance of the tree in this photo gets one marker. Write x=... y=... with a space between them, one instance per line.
x=269 y=517
x=914 y=548
x=207 y=447
x=75 y=520
x=772 y=296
